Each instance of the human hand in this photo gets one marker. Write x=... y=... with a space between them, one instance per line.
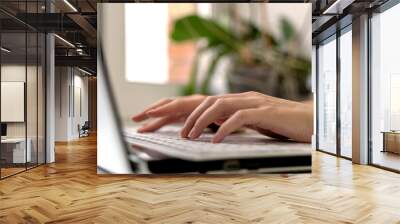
x=167 y=111
x=264 y=113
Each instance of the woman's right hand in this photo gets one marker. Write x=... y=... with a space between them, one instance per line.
x=167 y=111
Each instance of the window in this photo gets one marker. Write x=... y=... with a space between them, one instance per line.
x=327 y=96
x=346 y=92
x=22 y=88
x=329 y=112
x=385 y=89
x=151 y=56
x=146 y=42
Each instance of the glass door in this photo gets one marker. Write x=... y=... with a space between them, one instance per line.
x=327 y=96
x=14 y=153
x=22 y=77
x=385 y=89
x=346 y=94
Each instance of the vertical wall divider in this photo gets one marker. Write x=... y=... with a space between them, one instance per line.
x=338 y=100
x=26 y=86
x=1 y=65
x=60 y=88
x=73 y=94
x=316 y=96
x=37 y=90
x=369 y=96
x=80 y=103
x=44 y=80
x=69 y=91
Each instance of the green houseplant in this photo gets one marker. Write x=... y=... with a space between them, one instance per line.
x=252 y=51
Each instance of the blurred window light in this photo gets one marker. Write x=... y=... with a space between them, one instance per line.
x=146 y=42
x=386 y=69
x=204 y=9
x=395 y=102
x=345 y=82
x=327 y=96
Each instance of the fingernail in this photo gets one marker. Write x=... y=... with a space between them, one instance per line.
x=183 y=134
x=216 y=139
x=192 y=134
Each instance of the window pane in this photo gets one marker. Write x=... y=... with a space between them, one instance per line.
x=327 y=97
x=31 y=100
x=22 y=90
x=346 y=94
x=150 y=48
x=385 y=89
x=146 y=43
x=14 y=153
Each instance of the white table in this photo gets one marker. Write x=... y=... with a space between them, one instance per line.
x=19 y=155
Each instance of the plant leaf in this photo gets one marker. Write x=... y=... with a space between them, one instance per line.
x=288 y=31
x=194 y=27
x=252 y=32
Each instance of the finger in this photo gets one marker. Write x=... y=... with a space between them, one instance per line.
x=220 y=121
x=236 y=121
x=157 y=124
x=222 y=108
x=173 y=108
x=190 y=121
x=143 y=116
x=195 y=114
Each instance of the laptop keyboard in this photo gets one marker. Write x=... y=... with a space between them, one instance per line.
x=167 y=141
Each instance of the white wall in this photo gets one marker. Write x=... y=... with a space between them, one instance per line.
x=80 y=109
x=34 y=125
x=17 y=73
x=70 y=83
x=61 y=103
x=10 y=73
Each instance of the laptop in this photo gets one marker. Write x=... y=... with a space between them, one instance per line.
x=164 y=152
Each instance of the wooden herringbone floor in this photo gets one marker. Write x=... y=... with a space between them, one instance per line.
x=70 y=191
